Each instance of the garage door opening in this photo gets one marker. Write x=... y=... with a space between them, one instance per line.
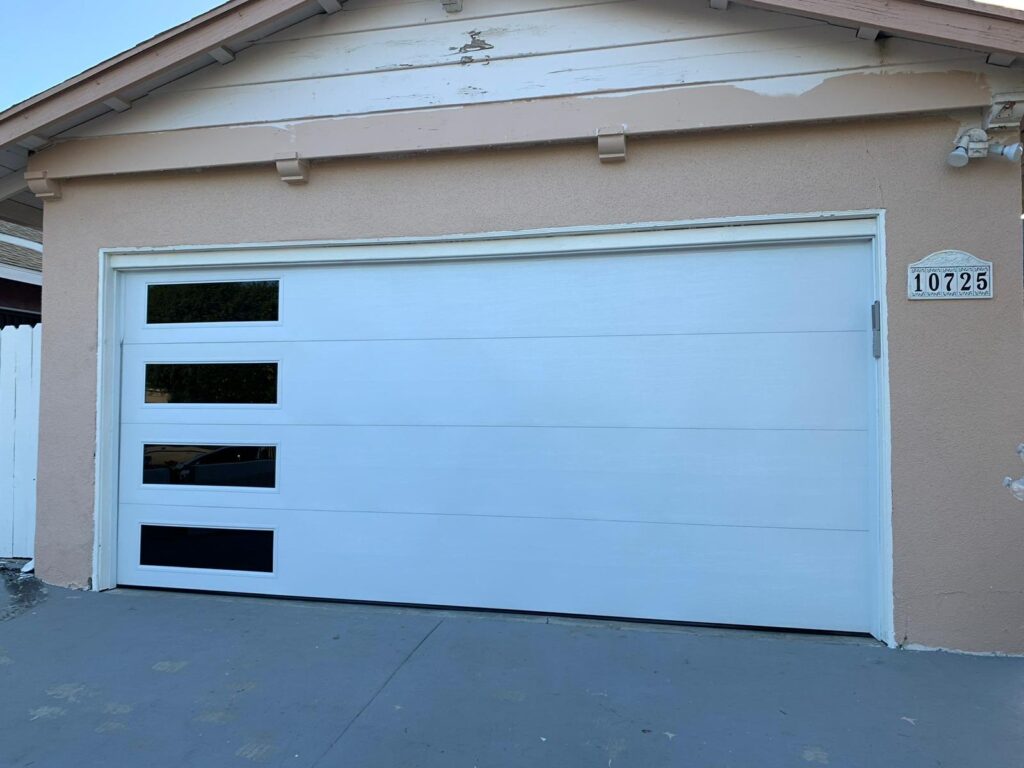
x=683 y=434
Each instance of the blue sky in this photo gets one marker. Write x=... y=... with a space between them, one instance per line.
x=78 y=34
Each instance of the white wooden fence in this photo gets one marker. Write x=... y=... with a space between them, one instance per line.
x=19 y=438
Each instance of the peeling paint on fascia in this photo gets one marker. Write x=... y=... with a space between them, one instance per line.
x=476 y=43
x=783 y=86
x=801 y=84
x=790 y=85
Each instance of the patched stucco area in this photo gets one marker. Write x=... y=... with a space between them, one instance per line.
x=955 y=367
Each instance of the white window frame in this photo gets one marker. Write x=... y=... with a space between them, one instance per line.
x=114 y=263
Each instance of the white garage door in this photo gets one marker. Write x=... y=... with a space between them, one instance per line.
x=683 y=435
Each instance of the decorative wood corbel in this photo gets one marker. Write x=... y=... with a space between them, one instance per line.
x=42 y=186
x=1001 y=59
x=118 y=104
x=222 y=54
x=292 y=168
x=611 y=144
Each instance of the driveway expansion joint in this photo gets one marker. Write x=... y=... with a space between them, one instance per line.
x=377 y=693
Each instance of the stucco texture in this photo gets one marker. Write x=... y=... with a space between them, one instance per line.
x=957 y=377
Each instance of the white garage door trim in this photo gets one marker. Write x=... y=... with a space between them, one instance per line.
x=115 y=263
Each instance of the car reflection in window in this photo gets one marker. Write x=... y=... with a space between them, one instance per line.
x=237 y=466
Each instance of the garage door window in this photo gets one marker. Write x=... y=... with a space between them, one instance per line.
x=217 y=302
x=211 y=383
x=230 y=549
x=236 y=466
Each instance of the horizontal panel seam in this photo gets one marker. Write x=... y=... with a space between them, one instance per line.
x=191 y=342
x=178 y=423
x=491 y=516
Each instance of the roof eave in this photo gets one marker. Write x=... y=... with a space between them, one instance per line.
x=958 y=23
x=131 y=69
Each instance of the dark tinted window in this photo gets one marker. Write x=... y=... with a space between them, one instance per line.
x=226 y=549
x=211 y=383
x=251 y=301
x=238 y=466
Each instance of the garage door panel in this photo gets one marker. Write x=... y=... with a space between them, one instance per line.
x=687 y=435
x=697 y=292
x=809 y=479
x=694 y=573
x=724 y=290
x=734 y=381
x=725 y=381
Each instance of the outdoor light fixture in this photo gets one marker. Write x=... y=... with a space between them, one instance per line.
x=1011 y=152
x=975 y=142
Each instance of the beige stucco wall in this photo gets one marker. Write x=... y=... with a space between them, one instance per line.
x=957 y=378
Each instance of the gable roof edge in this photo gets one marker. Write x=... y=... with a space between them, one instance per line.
x=957 y=23
x=146 y=61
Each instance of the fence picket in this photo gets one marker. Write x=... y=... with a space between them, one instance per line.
x=19 y=436
x=7 y=371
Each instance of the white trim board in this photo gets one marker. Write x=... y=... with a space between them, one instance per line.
x=527 y=243
x=884 y=571
x=21 y=274
x=21 y=242
x=629 y=238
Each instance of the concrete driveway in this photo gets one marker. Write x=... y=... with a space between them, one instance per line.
x=154 y=679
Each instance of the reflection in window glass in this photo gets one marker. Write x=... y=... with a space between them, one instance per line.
x=228 y=549
x=211 y=383
x=225 y=302
x=238 y=466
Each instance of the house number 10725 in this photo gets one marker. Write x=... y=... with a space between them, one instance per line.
x=950 y=275
x=951 y=281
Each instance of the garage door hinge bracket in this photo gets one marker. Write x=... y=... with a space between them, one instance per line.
x=876 y=329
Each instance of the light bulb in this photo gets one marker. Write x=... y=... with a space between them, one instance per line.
x=958 y=157
x=1012 y=152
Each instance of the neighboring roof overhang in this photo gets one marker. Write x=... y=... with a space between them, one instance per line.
x=30 y=237
x=220 y=33
x=21 y=254
x=992 y=29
